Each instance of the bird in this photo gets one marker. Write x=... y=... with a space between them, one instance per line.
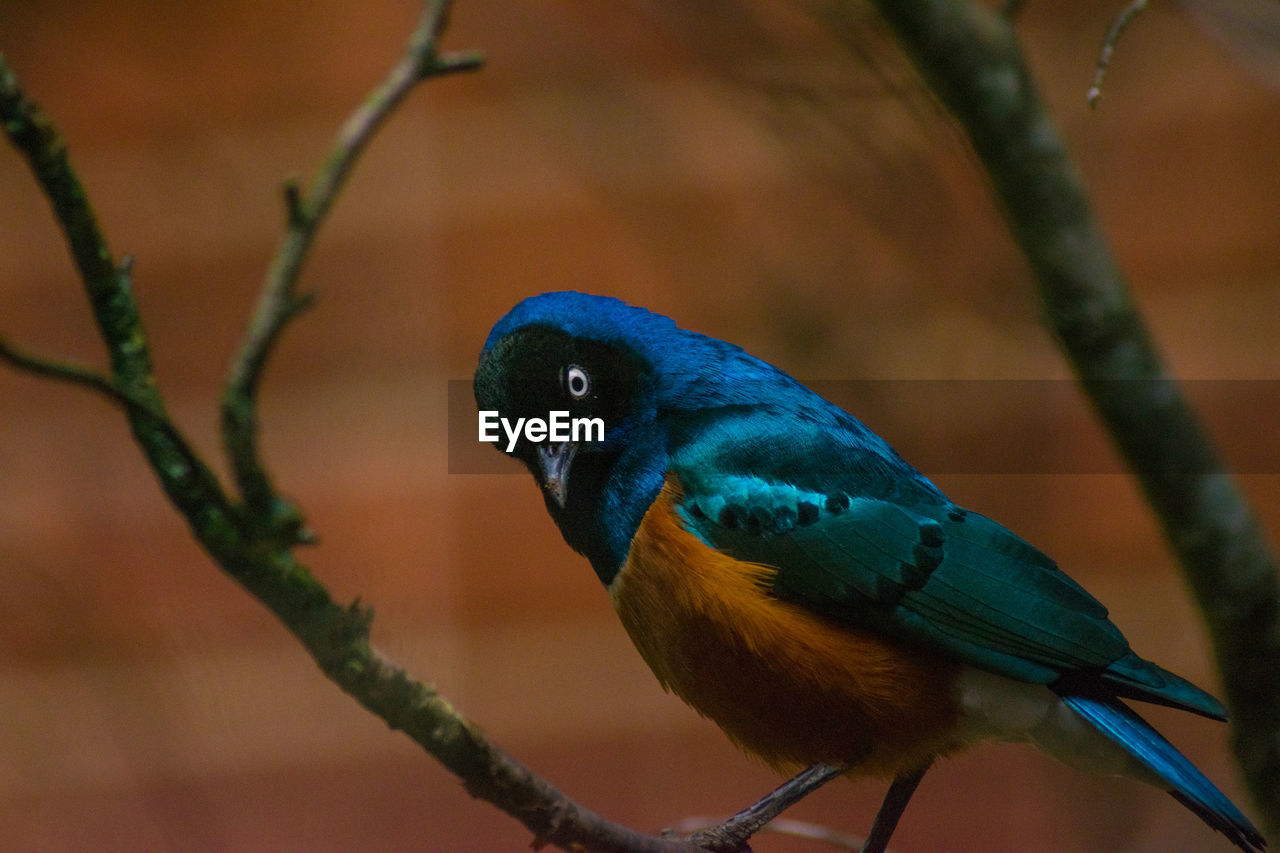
x=787 y=574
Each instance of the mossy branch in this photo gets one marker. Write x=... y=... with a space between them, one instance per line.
x=971 y=59
x=252 y=538
x=184 y=477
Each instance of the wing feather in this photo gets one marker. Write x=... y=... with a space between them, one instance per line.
x=929 y=573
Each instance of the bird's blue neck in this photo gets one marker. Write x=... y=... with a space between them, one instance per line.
x=608 y=496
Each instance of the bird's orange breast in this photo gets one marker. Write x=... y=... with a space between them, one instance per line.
x=782 y=682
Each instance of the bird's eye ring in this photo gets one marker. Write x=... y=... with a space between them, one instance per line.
x=577 y=382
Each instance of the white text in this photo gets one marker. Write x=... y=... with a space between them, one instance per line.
x=558 y=426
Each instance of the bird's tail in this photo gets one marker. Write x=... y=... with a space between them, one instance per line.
x=1187 y=784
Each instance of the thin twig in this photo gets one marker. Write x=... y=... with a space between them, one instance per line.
x=77 y=374
x=1131 y=10
x=279 y=301
x=73 y=374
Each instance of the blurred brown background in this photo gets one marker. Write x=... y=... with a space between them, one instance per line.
x=767 y=173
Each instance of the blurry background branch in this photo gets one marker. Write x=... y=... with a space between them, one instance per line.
x=972 y=60
x=1131 y=10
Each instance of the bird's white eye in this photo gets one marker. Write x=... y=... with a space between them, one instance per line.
x=577 y=382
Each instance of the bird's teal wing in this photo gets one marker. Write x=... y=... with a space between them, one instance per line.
x=927 y=572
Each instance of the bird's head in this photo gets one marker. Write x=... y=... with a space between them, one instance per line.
x=595 y=359
x=536 y=364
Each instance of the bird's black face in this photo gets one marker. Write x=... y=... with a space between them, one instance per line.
x=538 y=371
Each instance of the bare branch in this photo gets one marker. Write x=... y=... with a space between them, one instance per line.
x=74 y=374
x=279 y=301
x=972 y=61
x=185 y=478
x=1131 y=10
x=338 y=639
x=254 y=543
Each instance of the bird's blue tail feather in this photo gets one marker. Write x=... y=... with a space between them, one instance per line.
x=1187 y=784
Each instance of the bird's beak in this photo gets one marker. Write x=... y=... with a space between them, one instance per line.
x=554 y=459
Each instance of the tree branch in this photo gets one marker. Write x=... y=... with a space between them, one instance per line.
x=972 y=61
x=73 y=374
x=184 y=477
x=279 y=302
x=253 y=541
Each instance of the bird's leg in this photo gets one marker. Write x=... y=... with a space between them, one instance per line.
x=734 y=832
x=895 y=802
